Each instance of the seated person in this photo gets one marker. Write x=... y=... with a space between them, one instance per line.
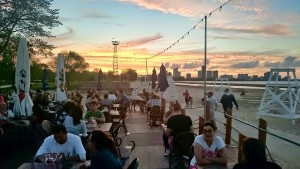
x=112 y=96
x=208 y=148
x=123 y=100
x=74 y=124
x=178 y=123
x=62 y=142
x=105 y=155
x=106 y=101
x=94 y=112
x=169 y=113
x=38 y=115
x=255 y=156
x=4 y=114
x=153 y=101
x=65 y=112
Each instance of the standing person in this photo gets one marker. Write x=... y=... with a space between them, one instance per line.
x=255 y=156
x=227 y=100
x=186 y=97
x=212 y=106
x=105 y=155
x=208 y=148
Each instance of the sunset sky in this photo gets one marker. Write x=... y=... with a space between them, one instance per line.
x=243 y=37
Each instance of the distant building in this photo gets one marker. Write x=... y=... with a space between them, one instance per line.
x=199 y=74
x=229 y=77
x=176 y=73
x=188 y=76
x=215 y=74
x=209 y=75
x=255 y=77
x=243 y=77
x=266 y=76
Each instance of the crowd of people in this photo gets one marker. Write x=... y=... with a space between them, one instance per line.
x=70 y=137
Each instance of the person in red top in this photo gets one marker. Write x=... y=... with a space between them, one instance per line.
x=186 y=97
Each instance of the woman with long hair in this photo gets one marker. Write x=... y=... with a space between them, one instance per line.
x=74 y=123
x=208 y=148
x=104 y=151
x=255 y=156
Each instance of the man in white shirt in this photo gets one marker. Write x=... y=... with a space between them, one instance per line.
x=112 y=96
x=63 y=142
x=212 y=104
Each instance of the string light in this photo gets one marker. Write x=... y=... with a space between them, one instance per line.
x=193 y=28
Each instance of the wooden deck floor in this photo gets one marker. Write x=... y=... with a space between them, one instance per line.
x=149 y=145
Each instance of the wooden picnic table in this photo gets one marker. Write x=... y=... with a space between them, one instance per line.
x=75 y=165
x=114 y=113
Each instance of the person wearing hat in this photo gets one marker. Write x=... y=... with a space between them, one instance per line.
x=94 y=112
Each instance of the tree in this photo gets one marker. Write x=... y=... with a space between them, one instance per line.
x=32 y=19
x=74 y=63
x=129 y=74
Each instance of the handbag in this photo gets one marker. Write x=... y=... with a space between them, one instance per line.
x=48 y=161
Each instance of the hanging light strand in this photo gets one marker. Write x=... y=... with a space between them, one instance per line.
x=193 y=28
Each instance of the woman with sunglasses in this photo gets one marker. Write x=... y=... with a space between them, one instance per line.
x=104 y=152
x=208 y=148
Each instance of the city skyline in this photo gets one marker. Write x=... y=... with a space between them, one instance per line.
x=243 y=36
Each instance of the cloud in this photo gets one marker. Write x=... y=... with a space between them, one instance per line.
x=255 y=9
x=274 y=29
x=289 y=61
x=95 y=14
x=190 y=8
x=141 y=41
x=251 y=64
x=191 y=65
x=175 y=65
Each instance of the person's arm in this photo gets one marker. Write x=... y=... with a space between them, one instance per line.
x=220 y=159
x=168 y=132
x=235 y=103
x=101 y=117
x=199 y=155
x=78 y=149
x=45 y=147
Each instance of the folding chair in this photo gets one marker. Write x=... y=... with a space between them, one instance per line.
x=47 y=126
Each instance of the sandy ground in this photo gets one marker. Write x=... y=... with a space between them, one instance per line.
x=248 y=107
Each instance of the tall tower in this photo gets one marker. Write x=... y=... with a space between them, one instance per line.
x=115 y=57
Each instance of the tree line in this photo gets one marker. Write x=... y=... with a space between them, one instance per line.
x=34 y=20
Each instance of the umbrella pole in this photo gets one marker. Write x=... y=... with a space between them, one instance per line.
x=205 y=52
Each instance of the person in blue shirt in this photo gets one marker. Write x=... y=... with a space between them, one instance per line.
x=104 y=152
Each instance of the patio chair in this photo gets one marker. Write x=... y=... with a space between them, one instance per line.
x=134 y=164
x=47 y=126
x=155 y=116
x=182 y=149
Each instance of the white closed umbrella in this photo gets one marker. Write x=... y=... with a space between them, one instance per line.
x=61 y=93
x=23 y=103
